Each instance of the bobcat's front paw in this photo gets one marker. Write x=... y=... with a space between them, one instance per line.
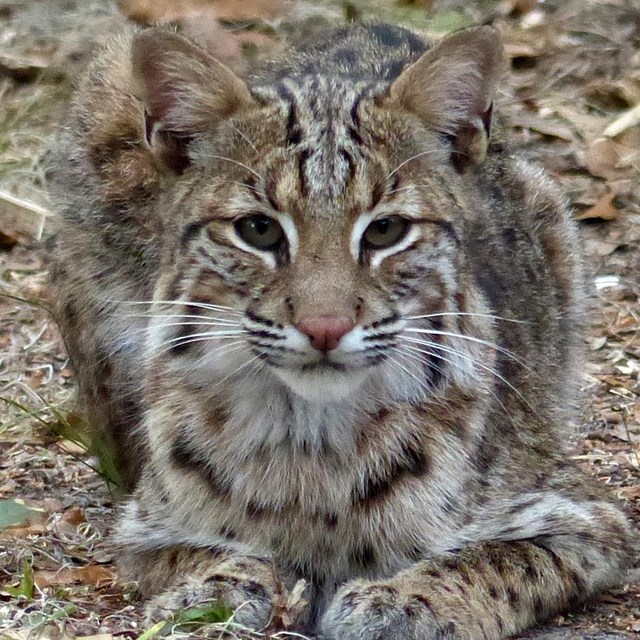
x=249 y=600
x=377 y=611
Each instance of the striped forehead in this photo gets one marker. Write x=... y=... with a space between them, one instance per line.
x=321 y=128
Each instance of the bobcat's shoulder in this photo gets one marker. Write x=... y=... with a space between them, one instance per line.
x=341 y=320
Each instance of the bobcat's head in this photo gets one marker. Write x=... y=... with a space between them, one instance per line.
x=319 y=219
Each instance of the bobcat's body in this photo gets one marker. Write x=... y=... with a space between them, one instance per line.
x=381 y=416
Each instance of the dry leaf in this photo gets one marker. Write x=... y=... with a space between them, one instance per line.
x=545 y=126
x=627 y=120
x=73 y=448
x=24 y=517
x=7 y=240
x=36 y=529
x=151 y=12
x=21 y=68
x=597 y=343
x=288 y=605
x=90 y=574
x=604 y=209
x=74 y=516
x=21 y=219
x=631 y=492
x=602 y=158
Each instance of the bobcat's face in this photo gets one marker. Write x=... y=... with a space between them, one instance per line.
x=312 y=254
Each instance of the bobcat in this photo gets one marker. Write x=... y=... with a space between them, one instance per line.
x=332 y=325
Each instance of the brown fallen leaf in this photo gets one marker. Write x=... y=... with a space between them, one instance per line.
x=90 y=574
x=605 y=209
x=7 y=240
x=630 y=493
x=151 y=12
x=36 y=529
x=30 y=520
x=72 y=517
x=424 y=4
x=21 y=68
x=520 y=7
x=602 y=157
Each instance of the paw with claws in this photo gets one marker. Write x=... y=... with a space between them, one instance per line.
x=232 y=588
x=377 y=611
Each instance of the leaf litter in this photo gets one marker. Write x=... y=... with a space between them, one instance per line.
x=572 y=98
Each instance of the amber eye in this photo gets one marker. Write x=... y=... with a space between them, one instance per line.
x=385 y=232
x=260 y=231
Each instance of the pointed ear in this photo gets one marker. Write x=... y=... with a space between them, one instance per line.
x=185 y=91
x=451 y=88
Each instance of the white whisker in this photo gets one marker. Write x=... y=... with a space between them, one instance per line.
x=464 y=313
x=413 y=356
x=236 y=162
x=235 y=371
x=148 y=328
x=450 y=334
x=181 y=303
x=198 y=323
x=476 y=363
x=408 y=160
x=244 y=137
x=424 y=386
x=208 y=334
x=454 y=364
x=228 y=347
x=181 y=316
x=400 y=189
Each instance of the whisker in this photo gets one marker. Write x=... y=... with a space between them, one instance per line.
x=436 y=353
x=415 y=157
x=147 y=328
x=258 y=366
x=208 y=334
x=181 y=303
x=464 y=313
x=229 y=346
x=238 y=163
x=198 y=323
x=438 y=347
x=182 y=316
x=422 y=383
x=494 y=347
x=235 y=371
x=475 y=363
x=244 y=137
x=244 y=185
x=454 y=364
x=413 y=356
x=399 y=189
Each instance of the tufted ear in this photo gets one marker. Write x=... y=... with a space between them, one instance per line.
x=451 y=88
x=185 y=90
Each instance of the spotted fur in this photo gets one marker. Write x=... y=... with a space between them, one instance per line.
x=414 y=476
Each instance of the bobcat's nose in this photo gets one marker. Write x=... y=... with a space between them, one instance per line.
x=325 y=331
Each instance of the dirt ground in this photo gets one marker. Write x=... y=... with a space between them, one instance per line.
x=572 y=97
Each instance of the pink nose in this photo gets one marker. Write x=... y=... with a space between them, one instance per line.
x=325 y=331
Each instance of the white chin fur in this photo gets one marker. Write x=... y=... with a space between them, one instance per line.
x=323 y=386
